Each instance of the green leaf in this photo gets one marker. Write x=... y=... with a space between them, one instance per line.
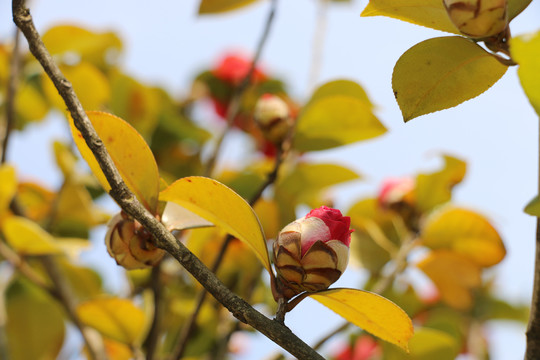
x=515 y=7
x=333 y=121
x=436 y=188
x=220 y=205
x=428 y=13
x=441 y=73
x=525 y=51
x=371 y=312
x=129 y=152
x=220 y=6
x=35 y=323
x=8 y=186
x=28 y=238
x=116 y=318
x=464 y=232
x=426 y=344
x=533 y=207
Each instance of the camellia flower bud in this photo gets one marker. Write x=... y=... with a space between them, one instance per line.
x=395 y=190
x=478 y=18
x=273 y=117
x=129 y=244
x=311 y=253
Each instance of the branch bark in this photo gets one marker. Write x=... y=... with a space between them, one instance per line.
x=240 y=309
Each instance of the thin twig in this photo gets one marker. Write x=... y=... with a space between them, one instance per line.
x=151 y=342
x=13 y=82
x=318 y=42
x=236 y=100
x=240 y=309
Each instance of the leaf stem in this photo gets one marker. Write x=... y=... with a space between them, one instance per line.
x=234 y=106
x=240 y=309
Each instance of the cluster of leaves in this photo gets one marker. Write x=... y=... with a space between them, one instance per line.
x=41 y=225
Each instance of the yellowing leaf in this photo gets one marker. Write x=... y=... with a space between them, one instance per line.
x=27 y=237
x=466 y=233
x=336 y=120
x=30 y=103
x=90 y=84
x=426 y=344
x=219 y=6
x=429 y=13
x=371 y=312
x=455 y=275
x=175 y=217
x=35 y=323
x=443 y=72
x=515 y=7
x=8 y=186
x=341 y=87
x=130 y=154
x=436 y=188
x=116 y=350
x=91 y=46
x=533 y=207
x=525 y=51
x=65 y=158
x=221 y=206
x=118 y=319
x=35 y=200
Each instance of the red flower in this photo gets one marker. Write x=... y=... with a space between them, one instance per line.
x=233 y=68
x=338 y=226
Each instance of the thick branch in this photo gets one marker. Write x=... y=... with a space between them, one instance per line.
x=127 y=201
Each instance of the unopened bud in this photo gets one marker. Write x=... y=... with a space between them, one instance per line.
x=129 y=244
x=478 y=18
x=396 y=190
x=312 y=252
x=273 y=117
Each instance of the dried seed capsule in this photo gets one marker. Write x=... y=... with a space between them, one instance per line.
x=478 y=18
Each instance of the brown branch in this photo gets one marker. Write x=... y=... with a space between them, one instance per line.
x=236 y=101
x=10 y=94
x=533 y=329
x=240 y=309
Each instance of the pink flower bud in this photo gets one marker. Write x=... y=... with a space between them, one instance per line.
x=129 y=244
x=272 y=116
x=312 y=252
x=394 y=190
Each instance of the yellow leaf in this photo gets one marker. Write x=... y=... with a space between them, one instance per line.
x=429 y=13
x=116 y=318
x=28 y=238
x=525 y=50
x=219 y=6
x=90 y=84
x=8 y=186
x=454 y=275
x=371 y=312
x=175 y=217
x=35 y=200
x=441 y=73
x=117 y=351
x=221 y=206
x=30 y=103
x=465 y=232
x=341 y=87
x=336 y=120
x=130 y=153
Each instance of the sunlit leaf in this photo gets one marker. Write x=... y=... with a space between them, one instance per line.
x=221 y=206
x=116 y=350
x=35 y=323
x=118 y=319
x=429 y=13
x=65 y=158
x=525 y=51
x=220 y=6
x=27 y=237
x=91 y=46
x=455 y=275
x=8 y=186
x=130 y=153
x=336 y=120
x=84 y=282
x=464 y=232
x=426 y=344
x=443 y=72
x=371 y=312
x=341 y=87
x=175 y=217
x=268 y=213
x=533 y=207
x=436 y=188
x=90 y=84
